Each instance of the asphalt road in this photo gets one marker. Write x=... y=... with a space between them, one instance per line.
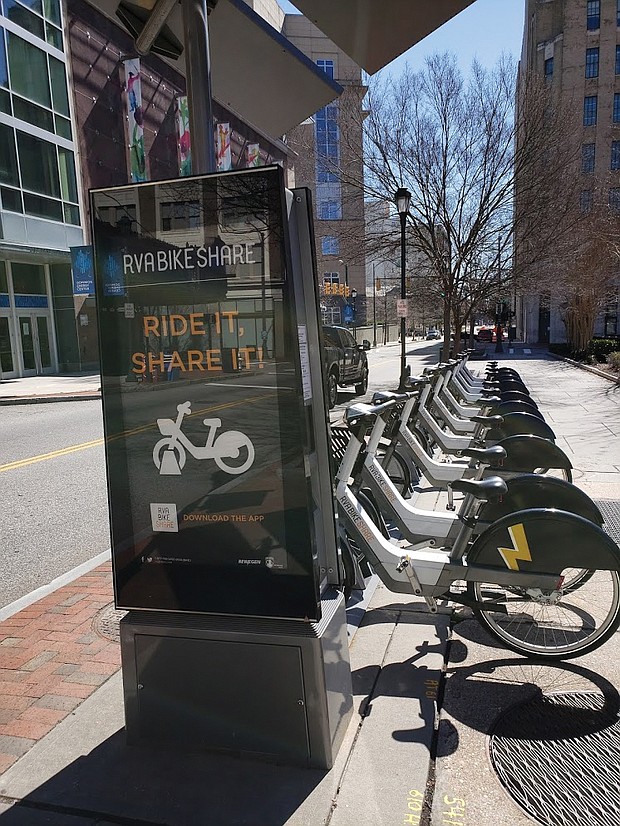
x=54 y=511
x=52 y=465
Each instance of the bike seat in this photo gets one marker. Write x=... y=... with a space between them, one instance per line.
x=389 y=395
x=416 y=380
x=489 y=421
x=360 y=412
x=491 y=489
x=492 y=399
x=486 y=455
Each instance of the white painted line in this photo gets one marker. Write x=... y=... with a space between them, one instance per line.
x=251 y=386
x=54 y=585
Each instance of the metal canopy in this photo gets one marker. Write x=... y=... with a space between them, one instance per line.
x=255 y=71
x=374 y=32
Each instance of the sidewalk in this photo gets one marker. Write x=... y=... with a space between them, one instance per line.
x=427 y=693
x=34 y=389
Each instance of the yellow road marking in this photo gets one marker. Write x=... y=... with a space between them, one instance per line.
x=54 y=454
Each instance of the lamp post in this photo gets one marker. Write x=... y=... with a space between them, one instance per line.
x=374 y=307
x=402 y=197
x=353 y=300
x=499 y=348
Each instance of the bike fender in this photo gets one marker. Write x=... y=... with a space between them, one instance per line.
x=503 y=408
x=543 y=540
x=527 y=452
x=535 y=491
x=516 y=424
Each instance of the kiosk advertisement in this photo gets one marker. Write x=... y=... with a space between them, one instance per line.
x=206 y=440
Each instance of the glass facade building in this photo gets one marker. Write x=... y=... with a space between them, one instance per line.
x=39 y=194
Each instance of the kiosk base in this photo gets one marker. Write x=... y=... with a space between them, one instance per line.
x=268 y=688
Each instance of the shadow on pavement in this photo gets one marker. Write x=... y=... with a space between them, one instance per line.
x=147 y=786
x=477 y=694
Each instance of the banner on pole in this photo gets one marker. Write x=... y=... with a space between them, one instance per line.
x=135 y=121
x=224 y=159
x=253 y=154
x=82 y=270
x=184 y=137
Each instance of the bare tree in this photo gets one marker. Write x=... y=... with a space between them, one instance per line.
x=453 y=143
x=582 y=270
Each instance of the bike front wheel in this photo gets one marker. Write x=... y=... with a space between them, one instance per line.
x=553 y=627
x=233 y=452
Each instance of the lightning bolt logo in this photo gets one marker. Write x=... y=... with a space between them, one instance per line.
x=520 y=549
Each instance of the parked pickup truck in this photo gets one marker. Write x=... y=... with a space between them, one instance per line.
x=345 y=362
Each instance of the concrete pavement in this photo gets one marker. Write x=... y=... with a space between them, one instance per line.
x=428 y=691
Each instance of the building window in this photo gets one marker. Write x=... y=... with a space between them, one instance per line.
x=327 y=144
x=617 y=12
x=327 y=66
x=549 y=67
x=181 y=215
x=38 y=164
x=327 y=135
x=588 y=157
x=590 y=106
x=615 y=154
x=40 y=81
x=593 y=21
x=617 y=108
x=330 y=211
x=28 y=68
x=585 y=201
x=8 y=157
x=592 y=62
x=614 y=199
x=330 y=245
x=331 y=278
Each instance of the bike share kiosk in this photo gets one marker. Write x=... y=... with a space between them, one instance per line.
x=221 y=505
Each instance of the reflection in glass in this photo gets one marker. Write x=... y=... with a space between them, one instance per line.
x=200 y=377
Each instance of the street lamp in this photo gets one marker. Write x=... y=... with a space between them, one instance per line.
x=374 y=307
x=499 y=348
x=353 y=297
x=402 y=198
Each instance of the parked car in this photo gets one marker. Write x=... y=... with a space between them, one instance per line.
x=488 y=334
x=485 y=334
x=433 y=334
x=345 y=362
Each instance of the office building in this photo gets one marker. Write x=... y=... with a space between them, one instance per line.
x=574 y=45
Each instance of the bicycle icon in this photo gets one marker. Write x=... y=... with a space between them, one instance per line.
x=170 y=453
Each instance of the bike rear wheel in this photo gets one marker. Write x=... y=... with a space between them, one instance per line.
x=583 y=618
x=397 y=468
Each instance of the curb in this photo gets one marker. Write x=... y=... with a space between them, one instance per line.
x=14 y=400
x=587 y=367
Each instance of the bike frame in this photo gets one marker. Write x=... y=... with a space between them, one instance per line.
x=176 y=435
x=419 y=568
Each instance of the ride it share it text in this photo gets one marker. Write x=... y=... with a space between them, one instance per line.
x=175 y=325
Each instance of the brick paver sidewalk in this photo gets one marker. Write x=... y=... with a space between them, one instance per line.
x=51 y=659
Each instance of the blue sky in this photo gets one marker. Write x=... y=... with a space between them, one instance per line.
x=484 y=30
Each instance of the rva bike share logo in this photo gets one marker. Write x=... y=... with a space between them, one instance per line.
x=231 y=450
